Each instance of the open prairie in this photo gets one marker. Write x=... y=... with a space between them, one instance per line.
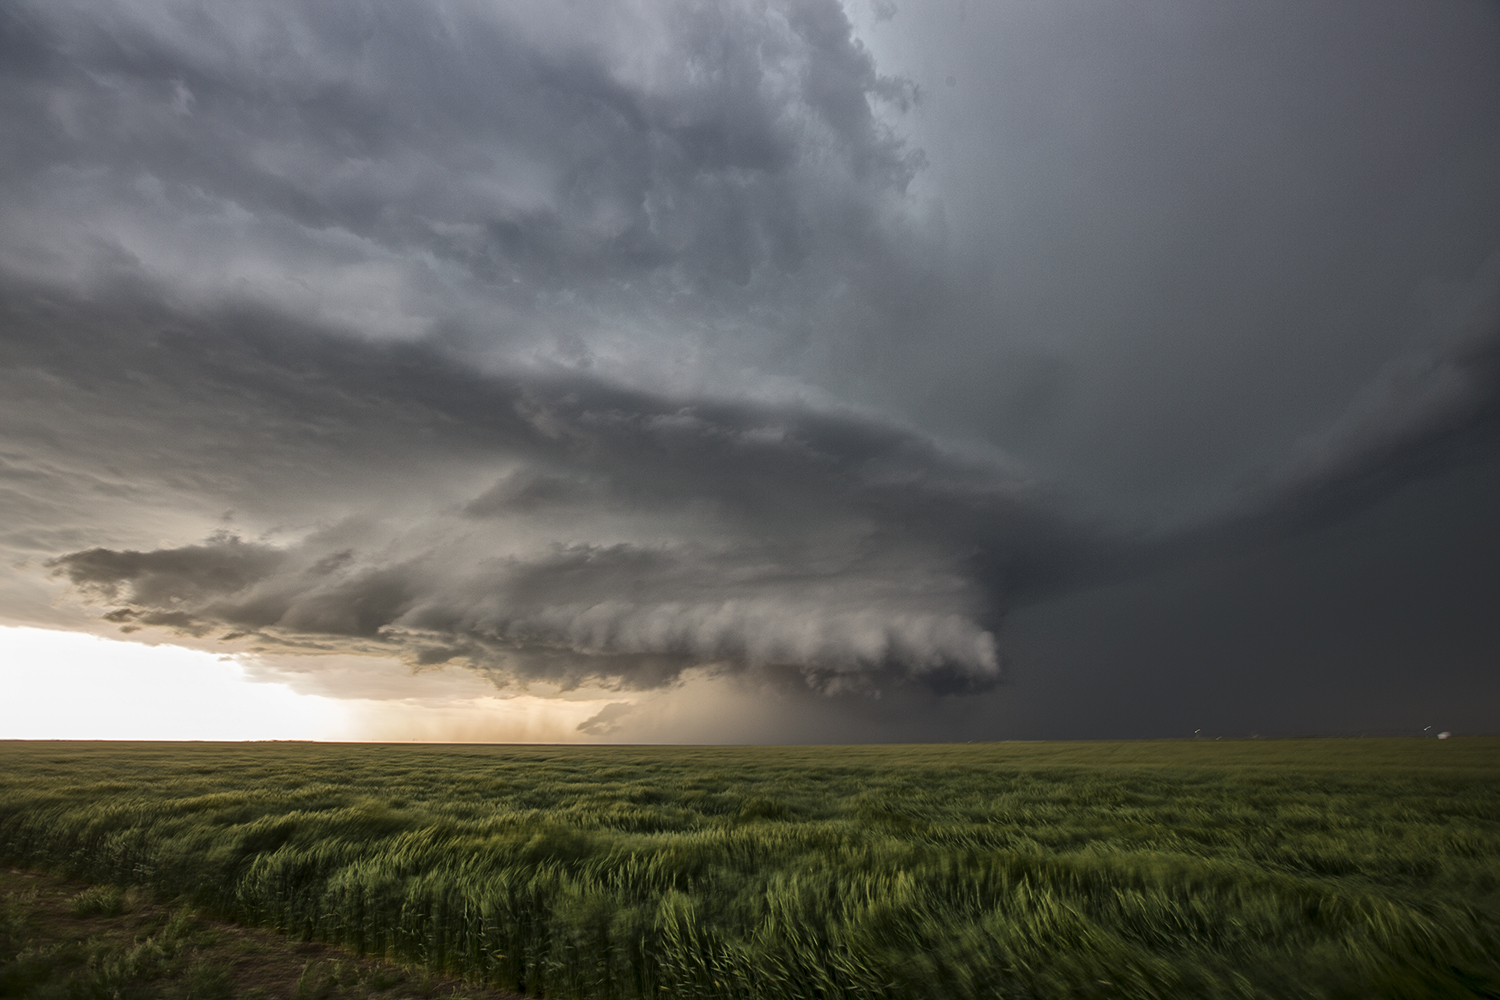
x=1299 y=868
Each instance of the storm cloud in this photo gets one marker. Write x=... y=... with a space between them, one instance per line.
x=395 y=169
x=596 y=344
x=559 y=527
x=555 y=525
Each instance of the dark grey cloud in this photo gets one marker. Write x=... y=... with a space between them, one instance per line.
x=595 y=344
x=1180 y=236
x=584 y=528
x=398 y=167
x=594 y=533
x=606 y=720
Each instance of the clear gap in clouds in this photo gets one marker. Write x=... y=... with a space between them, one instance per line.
x=68 y=686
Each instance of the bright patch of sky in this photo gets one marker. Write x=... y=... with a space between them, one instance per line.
x=68 y=685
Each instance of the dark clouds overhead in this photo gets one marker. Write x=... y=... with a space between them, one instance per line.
x=596 y=342
x=392 y=168
x=606 y=531
x=559 y=527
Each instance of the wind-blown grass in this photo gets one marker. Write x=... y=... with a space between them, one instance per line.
x=1247 y=869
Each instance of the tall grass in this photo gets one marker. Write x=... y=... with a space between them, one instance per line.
x=1254 y=869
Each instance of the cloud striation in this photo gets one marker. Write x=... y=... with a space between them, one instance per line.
x=458 y=331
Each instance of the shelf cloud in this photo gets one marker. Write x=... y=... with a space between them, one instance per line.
x=588 y=532
x=799 y=342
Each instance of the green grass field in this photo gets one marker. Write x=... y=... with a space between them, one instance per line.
x=1299 y=868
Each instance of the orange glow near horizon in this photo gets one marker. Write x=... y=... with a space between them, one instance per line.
x=76 y=686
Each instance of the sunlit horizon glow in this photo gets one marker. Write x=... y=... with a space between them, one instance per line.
x=70 y=685
x=63 y=685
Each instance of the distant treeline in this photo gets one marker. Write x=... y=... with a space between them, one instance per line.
x=1277 y=869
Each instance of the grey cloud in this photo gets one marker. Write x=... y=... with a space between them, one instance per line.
x=627 y=537
x=591 y=343
x=529 y=490
x=1215 y=226
x=1431 y=408
x=188 y=575
x=1431 y=393
x=704 y=531
x=623 y=614
x=607 y=719
x=508 y=154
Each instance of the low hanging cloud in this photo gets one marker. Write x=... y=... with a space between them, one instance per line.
x=566 y=343
x=597 y=534
x=587 y=531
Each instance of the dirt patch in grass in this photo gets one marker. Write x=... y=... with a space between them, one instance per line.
x=61 y=940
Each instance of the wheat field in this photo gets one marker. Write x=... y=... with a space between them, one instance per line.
x=1289 y=868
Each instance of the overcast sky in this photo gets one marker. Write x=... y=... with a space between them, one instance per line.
x=782 y=371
